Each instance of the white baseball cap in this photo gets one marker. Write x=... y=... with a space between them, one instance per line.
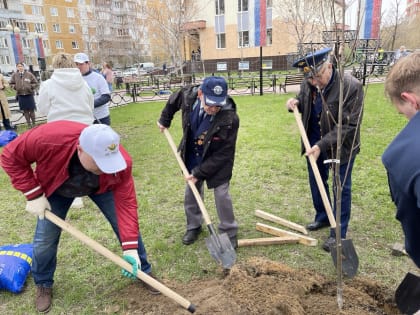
x=101 y=142
x=81 y=58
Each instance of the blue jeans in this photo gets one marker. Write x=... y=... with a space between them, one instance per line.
x=321 y=215
x=47 y=236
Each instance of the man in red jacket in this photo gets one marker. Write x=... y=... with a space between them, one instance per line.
x=74 y=160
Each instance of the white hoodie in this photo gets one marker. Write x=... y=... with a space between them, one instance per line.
x=66 y=96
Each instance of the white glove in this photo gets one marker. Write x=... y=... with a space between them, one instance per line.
x=131 y=256
x=38 y=206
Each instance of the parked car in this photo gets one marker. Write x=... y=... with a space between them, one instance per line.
x=117 y=73
x=130 y=72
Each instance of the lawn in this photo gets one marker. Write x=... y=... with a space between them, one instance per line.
x=269 y=175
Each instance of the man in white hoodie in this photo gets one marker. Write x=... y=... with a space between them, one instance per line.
x=66 y=95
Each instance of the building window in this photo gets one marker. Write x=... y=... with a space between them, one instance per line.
x=70 y=12
x=122 y=32
x=75 y=45
x=3 y=43
x=243 y=39
x=118 y=5
x=59 y=44
x=269 y=38
x=220 y=7
x=5 y=60
x=56 y=28
x=21 y=25
x=39 y=28
x=54 y=11
x=72 y=28
x=36 y=10
x=25 y=43
x=221 y=40
x=242 y=5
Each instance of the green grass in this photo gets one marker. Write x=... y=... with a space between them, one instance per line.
x=269 y=175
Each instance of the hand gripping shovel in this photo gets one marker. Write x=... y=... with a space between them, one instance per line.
x=407 y=295
x=350 y=261
x=219 y=246
x=118 y=260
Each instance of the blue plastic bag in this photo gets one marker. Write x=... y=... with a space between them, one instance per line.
x=15 y=265
x=6 y=136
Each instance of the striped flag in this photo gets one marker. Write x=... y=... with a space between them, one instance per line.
x=260 y=22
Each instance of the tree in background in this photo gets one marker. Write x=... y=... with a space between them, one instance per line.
x=167 y=19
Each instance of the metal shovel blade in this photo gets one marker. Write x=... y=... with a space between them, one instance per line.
x=350 y=260
x=407 y=295
x=221 y=249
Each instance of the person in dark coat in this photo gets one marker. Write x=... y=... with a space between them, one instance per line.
x=318 y=102
x=400 y=158
x=25 y=85
x=210 y=127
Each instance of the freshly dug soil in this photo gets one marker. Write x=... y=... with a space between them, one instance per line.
x=261 y=286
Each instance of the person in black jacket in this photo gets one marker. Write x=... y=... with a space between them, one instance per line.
x=318 y=102
x=210 y=126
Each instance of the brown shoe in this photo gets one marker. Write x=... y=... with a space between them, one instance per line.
x=149 y=288
x=43 y=299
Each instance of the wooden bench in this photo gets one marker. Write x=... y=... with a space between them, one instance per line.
x=291 y=79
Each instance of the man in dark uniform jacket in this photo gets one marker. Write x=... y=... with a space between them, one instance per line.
x=318 y=102
x=210 y=127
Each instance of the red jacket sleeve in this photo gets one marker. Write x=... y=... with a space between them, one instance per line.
x=16 y=159
x=125 y=199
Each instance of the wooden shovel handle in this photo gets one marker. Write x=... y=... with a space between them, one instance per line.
x=186 y=173
x=315 y=170
x=118 y=260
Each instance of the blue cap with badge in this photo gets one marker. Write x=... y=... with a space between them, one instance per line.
x=215 y=91
x=312 y=62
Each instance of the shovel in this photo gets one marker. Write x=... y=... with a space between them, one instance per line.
x=407 y=295
x=219 y=246
x=118 y=260
x=350 y=261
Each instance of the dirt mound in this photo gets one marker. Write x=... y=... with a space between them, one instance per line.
x=260 y=286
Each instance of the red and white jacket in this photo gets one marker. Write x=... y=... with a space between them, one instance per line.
x=50 y=147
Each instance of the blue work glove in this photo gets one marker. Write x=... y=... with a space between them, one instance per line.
x=132 y=257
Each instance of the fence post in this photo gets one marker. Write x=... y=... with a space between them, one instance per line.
x=134 y=92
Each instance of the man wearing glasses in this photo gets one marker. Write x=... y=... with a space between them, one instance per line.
x=318 y=102
x=210 y=128
x=99 y=88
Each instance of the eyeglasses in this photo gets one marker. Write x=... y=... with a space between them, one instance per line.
x=314 y=73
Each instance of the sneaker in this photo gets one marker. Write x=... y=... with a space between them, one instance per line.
x=77 y=203
x=43 y=299
x=149 y=288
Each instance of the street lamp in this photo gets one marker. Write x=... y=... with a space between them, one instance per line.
x=16 y=42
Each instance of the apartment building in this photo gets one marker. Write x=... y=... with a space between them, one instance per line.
x=173 y=32
x=32 y=31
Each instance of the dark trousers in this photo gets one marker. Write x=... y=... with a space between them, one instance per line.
x=345 y=179
x=47 y=236
x=106 y=121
